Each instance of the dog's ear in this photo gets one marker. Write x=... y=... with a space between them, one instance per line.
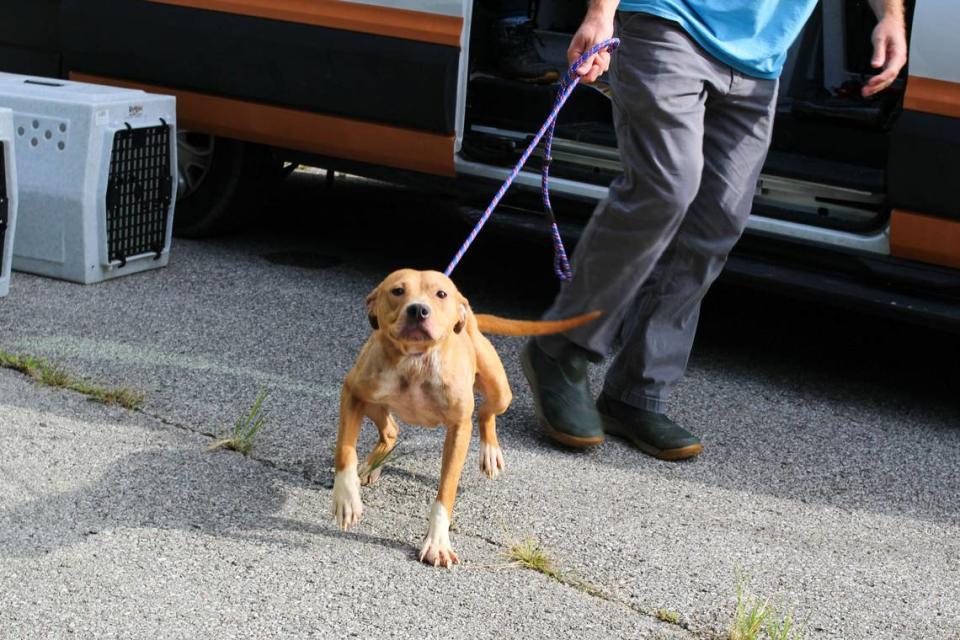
x=372 y=309
x=457 y=328
x=464 y=310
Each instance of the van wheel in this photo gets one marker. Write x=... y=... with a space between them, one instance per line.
x=221 y=183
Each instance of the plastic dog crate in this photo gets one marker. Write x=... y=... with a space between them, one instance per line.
x=8 y=198
x=96 y=178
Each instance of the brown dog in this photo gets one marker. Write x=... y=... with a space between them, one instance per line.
x=422 y=363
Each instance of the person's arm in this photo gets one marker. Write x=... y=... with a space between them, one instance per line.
x=889 y=45
x=597 y=26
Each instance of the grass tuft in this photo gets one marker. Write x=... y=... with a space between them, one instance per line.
x=27 y=365
x=754 y=617
x=121 y=396
x=57 y=377
x=785 y=627
x=246 y=428
x=667 y=615
x=750 y=616
x=54 y=376
x=530 y=554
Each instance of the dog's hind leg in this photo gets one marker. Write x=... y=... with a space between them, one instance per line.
x=370 y=471
x=347 y=506
x=493 y=385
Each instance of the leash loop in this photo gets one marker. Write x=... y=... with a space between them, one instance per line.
x=568 y=83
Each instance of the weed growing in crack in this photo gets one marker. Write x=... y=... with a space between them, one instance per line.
x=530 y=554
x=246 y=428
x=27 y=365
x=785 y=627
x=57 y=377
x=127 y=398
x=668 y=615
x=755 y=619
x=54 y=376
x=750 y=616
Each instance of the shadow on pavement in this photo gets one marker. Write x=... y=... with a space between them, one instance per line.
x=174 y=489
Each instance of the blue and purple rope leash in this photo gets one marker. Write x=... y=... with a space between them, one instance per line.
x=561 y=264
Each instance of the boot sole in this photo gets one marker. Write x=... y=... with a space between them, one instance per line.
x=612 y=427
x=576 y=442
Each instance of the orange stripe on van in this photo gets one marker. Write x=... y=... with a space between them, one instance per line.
x=925 y=238
x=350 y=16
x=304 y=131
x=932 y=96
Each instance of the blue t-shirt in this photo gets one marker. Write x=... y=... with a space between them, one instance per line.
x=752 y=36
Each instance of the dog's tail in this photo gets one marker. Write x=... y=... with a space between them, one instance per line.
x=507 y=327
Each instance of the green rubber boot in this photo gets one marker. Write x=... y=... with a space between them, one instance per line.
x=561 y=393
x=653 y=433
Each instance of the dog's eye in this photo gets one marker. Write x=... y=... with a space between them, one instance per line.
x=441 y=294
x=397 y=291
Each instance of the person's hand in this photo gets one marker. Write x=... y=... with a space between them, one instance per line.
x=596 y=28
x=889 y=54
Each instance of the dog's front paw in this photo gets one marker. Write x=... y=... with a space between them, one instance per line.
x=347 y=506
x=436 y=549
x=491 y=460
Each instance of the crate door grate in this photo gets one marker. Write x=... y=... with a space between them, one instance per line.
x=139 y=192
x=4 y=204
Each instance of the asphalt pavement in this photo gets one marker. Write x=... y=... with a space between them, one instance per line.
x=829 y=478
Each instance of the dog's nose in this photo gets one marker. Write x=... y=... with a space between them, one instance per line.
x=418 y=312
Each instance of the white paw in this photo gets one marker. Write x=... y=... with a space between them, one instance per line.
x=436 y=549
x=491 y=460
x=367 y=476
x=347 y=506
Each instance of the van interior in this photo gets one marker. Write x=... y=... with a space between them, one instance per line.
x=826 y=165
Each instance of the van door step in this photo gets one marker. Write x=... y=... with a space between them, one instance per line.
x=808 y=191
x=813 y=169
x=819 y=204
x=868 y=113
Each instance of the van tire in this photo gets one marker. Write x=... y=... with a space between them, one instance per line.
x=229 y=182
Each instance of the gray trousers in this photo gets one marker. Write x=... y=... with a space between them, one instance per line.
x=693 y=134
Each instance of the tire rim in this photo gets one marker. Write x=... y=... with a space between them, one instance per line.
x=194 y=161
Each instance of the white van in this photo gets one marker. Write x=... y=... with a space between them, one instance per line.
x=859 y=199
